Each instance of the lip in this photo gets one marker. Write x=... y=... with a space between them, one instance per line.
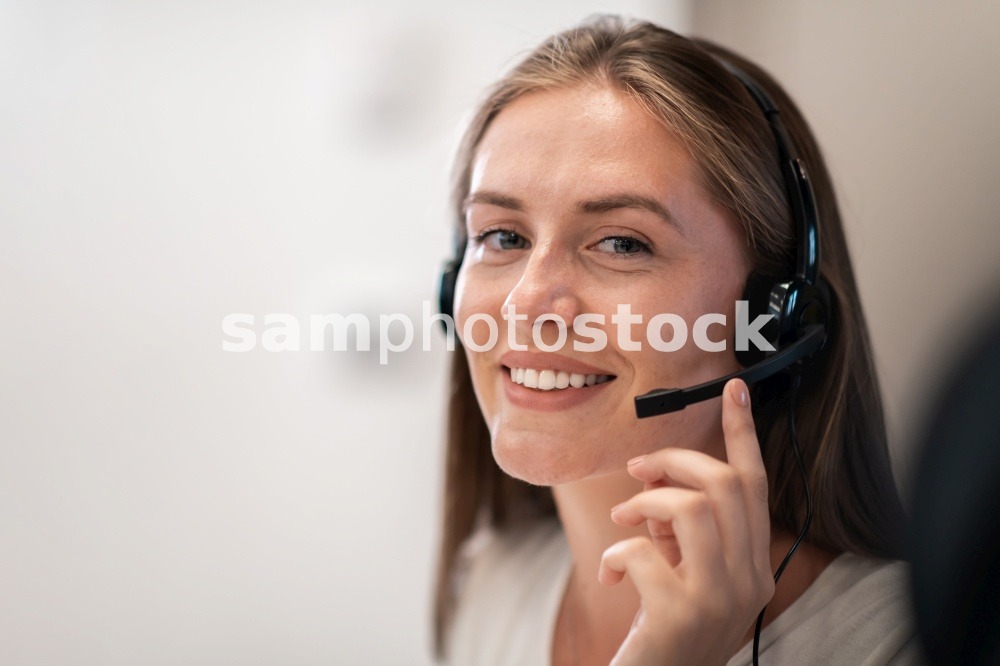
x=549 y=401
x=551 y=361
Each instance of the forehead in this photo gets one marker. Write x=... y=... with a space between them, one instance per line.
x=571 y=141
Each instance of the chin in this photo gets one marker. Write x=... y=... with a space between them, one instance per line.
x=544 y=459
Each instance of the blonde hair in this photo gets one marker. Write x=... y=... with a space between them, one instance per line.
x=840 y=421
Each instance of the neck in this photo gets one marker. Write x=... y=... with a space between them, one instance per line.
x=603 y=615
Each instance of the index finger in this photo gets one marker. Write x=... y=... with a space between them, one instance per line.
x=743 y=453
x=742 y=447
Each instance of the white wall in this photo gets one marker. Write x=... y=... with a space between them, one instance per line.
x=162 y=165
x=904 y=98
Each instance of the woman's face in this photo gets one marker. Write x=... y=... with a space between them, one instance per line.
x=567 y=206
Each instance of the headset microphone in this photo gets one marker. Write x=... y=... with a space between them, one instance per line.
x=664 y=401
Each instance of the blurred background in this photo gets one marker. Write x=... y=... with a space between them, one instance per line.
x=165 y=164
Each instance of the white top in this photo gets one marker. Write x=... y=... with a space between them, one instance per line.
x=511 y=585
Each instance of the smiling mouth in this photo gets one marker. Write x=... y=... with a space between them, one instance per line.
x=554 y=380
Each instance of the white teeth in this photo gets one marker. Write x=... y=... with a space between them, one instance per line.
x=562 y=379
x=549 y=380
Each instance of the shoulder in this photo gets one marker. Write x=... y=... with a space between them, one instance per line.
x=858 y=611
x=506 y=583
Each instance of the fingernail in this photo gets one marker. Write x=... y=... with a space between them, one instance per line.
x=616 y=507
x=741 y=395
x=637 y=459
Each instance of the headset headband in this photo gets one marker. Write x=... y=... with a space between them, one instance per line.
x=800 y=192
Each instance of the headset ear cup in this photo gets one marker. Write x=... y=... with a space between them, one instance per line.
x=446 y=290
x=817 y=308
x=804 y=305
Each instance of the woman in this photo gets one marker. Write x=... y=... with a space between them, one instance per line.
x=620 y=163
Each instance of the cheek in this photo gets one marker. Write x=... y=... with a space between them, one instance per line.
x=690 y=364
x=475 y=295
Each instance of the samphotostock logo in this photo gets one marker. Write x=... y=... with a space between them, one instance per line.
x=481 y=331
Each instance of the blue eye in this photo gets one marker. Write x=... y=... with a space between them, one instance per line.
x=623 y=245
x=501 y=239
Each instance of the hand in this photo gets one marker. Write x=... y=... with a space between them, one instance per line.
x=706 y=572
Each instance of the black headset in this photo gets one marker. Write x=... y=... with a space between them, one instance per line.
x=799 y=305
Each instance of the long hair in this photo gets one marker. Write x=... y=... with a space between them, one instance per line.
x=839 y=409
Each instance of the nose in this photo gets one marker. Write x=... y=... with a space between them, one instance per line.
x=549 y=285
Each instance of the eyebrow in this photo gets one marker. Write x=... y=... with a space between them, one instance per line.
x=602 y=204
